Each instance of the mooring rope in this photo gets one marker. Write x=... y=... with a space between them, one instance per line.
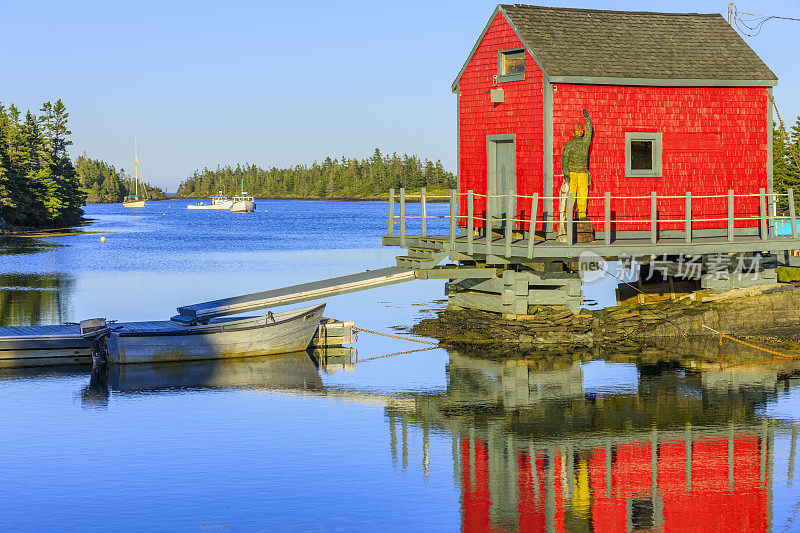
x=366 y=359
x=389 y=335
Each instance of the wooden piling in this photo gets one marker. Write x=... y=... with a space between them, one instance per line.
x=402 y=217
x=532 y=228
x=423 y=211
x=391 y=213
x=470 y=222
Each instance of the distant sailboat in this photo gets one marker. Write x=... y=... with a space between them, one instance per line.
x=134 y=200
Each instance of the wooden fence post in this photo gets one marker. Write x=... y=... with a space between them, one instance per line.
x=607 y=223
x=653 y=217
x=402 y=217
x=731 y=216
x=489 y=223
x=470 y=222
x=532 y=229
x=792 y=219
x=762 y=209
x=453 y=216
x=688 y=217
x=423 y=211
x=510 y=216
x=391 y=213
x=570 y=234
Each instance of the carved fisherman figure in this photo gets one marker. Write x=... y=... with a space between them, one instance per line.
x=575 y=167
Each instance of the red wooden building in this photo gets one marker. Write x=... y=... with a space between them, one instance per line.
x=679 y=103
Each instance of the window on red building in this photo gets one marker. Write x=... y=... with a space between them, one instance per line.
x=642 y=154
x=511 y=65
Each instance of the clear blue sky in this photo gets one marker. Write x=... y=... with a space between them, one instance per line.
x=276 y=83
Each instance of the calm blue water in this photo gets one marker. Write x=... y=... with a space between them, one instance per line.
x=432 y=440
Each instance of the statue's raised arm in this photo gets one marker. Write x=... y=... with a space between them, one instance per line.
x=587 y=137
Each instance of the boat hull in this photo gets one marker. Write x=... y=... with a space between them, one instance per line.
x=290 y=332
x=218 y=207
x=137 y=204
x=245 y=206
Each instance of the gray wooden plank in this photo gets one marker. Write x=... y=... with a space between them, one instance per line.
x=298 y=293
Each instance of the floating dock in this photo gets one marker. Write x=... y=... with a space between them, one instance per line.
x=63 y=344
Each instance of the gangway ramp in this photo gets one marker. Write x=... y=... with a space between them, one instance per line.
x=303 y=292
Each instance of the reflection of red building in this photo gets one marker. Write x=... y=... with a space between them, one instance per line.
x=670 y=483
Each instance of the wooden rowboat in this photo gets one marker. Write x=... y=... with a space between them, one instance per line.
x=151 y=342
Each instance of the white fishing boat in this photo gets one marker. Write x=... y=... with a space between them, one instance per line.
x=217 y=203
x=220 y=338
x=133 y=200
x=243 y=203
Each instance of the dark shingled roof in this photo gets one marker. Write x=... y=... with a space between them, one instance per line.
x=624 y=44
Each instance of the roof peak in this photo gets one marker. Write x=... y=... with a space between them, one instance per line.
x=589 y=10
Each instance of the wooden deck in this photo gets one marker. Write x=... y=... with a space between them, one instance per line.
x=504 y=250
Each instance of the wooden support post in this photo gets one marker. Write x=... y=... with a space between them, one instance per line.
x=653 y=217
x=688 y=217
x=607 y=223
x=570 y=234
x=453 y=216
x=762 y=211
x=792 y=219
x=391 y=213
x=731 y=215
x=402 y=217
x=423 y=211
x=532 y=229
x=470 y=223
x=489 y=224
x=510 y=216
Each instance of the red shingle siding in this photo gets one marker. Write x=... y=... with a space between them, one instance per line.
x=520 y=114
x=714 y=139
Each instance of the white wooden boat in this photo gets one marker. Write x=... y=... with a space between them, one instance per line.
x=217 y=202
x=133 y=200
x=243 y=203
x=150 y=342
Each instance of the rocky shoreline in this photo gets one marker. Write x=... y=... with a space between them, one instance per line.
x=769 y=314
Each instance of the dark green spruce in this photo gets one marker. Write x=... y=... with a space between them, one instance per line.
x=38 y=185
x=103 y=184
x=332 y=178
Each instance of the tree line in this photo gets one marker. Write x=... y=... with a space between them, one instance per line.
x=332 y=178
x=785 y=159
x=38 y=185
x=103 y=184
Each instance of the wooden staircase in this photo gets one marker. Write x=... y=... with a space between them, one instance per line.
x=422 y=254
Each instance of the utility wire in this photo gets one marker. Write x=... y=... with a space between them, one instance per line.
x=753 y=26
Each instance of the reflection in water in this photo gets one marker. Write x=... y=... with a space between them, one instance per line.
x=532 y=451
x=33 y=299
x=24 y=246
x=285 y=371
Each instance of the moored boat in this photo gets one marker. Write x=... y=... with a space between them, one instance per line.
x=133 y=200
x=150 y=342
x=243 y=203
x=217 y=202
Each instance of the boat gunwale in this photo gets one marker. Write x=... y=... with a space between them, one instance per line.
x=223 y=327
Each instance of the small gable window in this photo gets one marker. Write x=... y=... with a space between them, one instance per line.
x=511 y=65
x=642 y=154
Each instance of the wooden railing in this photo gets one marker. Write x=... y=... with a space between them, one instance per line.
x=509 y=221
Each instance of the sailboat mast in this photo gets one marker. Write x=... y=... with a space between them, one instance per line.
x=136 y=164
